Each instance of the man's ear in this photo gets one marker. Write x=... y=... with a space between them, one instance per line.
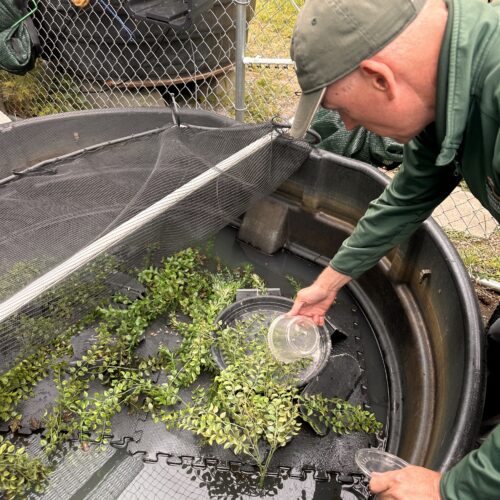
x=380 y=76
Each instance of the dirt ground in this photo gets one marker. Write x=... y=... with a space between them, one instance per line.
x=488 y=301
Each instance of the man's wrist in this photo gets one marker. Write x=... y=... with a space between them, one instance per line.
x=332 y=280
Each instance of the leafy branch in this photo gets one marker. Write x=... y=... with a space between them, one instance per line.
x=252 y=406
x=18 y=472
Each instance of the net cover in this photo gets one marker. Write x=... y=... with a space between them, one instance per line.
x=197 y=179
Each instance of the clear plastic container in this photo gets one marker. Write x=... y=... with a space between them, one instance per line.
x=371 y=460
x=293 y=337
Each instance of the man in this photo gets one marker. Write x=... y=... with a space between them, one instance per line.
x=426 y=73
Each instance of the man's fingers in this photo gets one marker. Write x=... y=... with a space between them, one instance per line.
x=379 y=482
x=297 y=306
x=412 y=482
x=319 y=320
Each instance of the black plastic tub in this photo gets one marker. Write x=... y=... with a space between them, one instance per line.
x=423 y=341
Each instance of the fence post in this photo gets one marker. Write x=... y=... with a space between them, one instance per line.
x=241 y=29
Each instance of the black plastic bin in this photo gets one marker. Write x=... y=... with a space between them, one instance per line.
x=419 y=302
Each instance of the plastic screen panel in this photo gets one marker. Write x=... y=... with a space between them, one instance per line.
x=57 y=209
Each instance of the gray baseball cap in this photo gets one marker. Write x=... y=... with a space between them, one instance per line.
x=332 y=37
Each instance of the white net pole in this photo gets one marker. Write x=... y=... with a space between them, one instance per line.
x=90 y=252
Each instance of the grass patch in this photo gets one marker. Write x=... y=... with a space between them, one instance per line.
x=271 y=29
x=270 y=90
x=22 y=97
x=480 y=255
x=268 y=97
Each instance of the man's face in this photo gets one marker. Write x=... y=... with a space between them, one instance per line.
x=398 y=114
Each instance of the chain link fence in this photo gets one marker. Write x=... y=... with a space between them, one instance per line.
x=233 y=59
x=227 y=56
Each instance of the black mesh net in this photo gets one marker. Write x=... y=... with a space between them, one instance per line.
x=56 y=209
x=76 y=229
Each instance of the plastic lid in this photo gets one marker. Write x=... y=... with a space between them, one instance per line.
x=293 y=337
x=371 y=460
x=259 y=312
x=303 y=335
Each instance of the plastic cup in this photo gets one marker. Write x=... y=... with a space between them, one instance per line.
x=293 y=337
x=371 y=460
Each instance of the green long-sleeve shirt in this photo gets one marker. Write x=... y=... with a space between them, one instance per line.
x=477 y=476
x=463 y=142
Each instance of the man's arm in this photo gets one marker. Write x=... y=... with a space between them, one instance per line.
x=477 y=475
x=316 y=299
x=390 y=219
x=410 y=198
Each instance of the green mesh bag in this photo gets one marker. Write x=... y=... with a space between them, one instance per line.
x=359 y=143
x=16 y=47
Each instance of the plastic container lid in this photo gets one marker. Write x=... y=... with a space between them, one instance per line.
x=371 y=460
x=293 y=337
x=267 y=308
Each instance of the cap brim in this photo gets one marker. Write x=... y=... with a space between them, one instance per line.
x=308 y=105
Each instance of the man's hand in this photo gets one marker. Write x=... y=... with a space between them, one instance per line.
x=410 y=483
x=316 y=299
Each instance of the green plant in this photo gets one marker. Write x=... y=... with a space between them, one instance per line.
x=18 y=472
x=67 y=307
x=112 y=358
x=245 y=409
x=18 y=276
x=18 y=383
x=252 y=406
x=295 y=283
x=338 y=415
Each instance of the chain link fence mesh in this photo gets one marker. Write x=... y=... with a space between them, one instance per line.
x=102 y=55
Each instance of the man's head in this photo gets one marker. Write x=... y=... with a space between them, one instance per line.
x=375 y=61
